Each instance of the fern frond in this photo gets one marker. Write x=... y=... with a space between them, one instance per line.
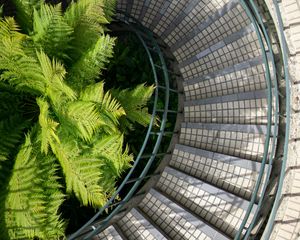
x=109 y=9
x=32 y=198
x=19 y=69
x=91 y=172
x=134 y=103
x=10 y=29
x=54 y=74
x=82 y=172
x=110 y=109
x=48 y=126
x=83 y=119
x=93 y=111
x=87 y=18
x=86 y=11
x=25 y=12
x=109 y=148
x=93 y=60
x=11 y=134
x=50 y=31
x=23 y=74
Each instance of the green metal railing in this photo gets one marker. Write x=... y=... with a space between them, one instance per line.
x=264 y=39
x=162 y=90
x=284 y=55
x=269 y=149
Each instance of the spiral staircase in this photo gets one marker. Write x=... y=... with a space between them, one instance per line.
x=232 y=171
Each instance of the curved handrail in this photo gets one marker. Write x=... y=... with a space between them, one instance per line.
x=256 y=21
x=284 y=51
x=94 y=230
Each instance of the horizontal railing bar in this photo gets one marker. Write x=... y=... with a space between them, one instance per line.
x=171 y=72
x=153 y=155
x=115 y=204
x=169 y=111
x=152 y=49
x=170 y=89
x=164 y=133
x=141 y=178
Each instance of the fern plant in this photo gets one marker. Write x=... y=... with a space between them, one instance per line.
x=56 y=116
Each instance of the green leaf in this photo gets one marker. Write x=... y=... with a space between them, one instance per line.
x=110 y=148
x=84 y=119
x=48 y=126
x=54 y=74
x=50 y=31
x=18 y=68
x=32 y=199
x=25 y=12
x=82 y=172
x=92 y=61
x=109 y=9
x=134 y=102
x=110 y=109
x=87 y=17
x=11 y=136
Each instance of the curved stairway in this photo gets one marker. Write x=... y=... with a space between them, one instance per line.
x=206 y=187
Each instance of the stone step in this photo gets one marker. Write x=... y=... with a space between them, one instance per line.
x=177 y=12
x=192 y=33
x=221 y=209
x=243 y=141
x=239 y=108
x=235 y=37
x=243 y=77
x=234 y=49
x=135 y=227
x=109 y=233
x=232 y=174
x=175 y=221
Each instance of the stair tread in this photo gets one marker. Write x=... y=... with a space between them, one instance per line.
x=135 y=227
x=175 y=221
x=217 y=18
x=222 y=209
x=240 y=140
x=240 y=108
x=243 y=163
x=245 y=65
x=229 y=98
x=221 y=44
x=230 y=173
x=236 y=53
x=109 y=233
x=246 y=128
